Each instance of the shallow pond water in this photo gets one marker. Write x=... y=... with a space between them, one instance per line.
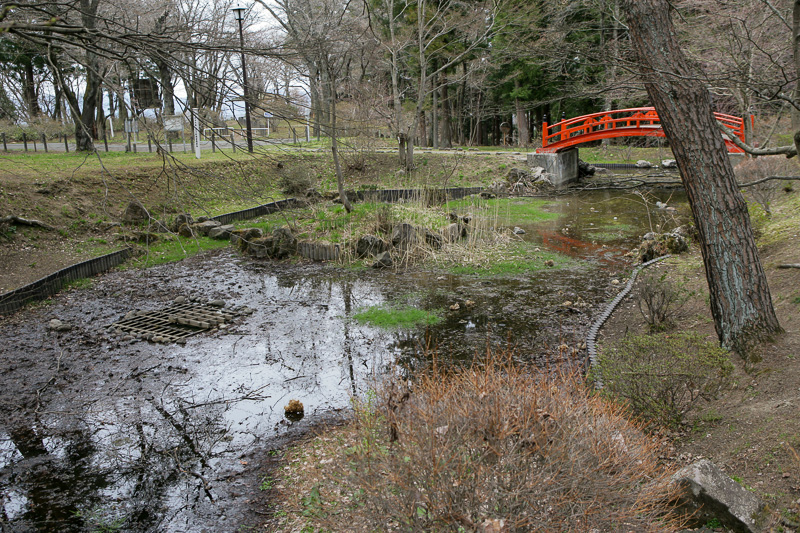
x=98 y=433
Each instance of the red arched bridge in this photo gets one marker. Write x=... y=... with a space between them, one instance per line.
x=634 y=122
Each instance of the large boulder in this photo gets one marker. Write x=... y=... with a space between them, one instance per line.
x=135 y=213
x=369 y=245
x=707 y=493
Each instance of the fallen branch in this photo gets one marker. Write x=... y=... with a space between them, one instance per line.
x=13 y=219
x=790 y=265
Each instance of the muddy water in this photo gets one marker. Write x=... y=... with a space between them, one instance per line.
x=97 y=433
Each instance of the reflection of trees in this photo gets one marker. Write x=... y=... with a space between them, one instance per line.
x=55 y=484
x=74 y=470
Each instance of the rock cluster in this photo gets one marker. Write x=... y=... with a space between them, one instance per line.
x=657 y=244
x=524 y=182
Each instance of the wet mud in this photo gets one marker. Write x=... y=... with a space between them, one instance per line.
x=98 y=433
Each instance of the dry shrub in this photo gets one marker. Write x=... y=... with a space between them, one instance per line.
x=501 y=445
x=660 y=299
x=759 y=168
x=661 y=377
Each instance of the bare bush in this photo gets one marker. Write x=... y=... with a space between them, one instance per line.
x=660 y=300
x=295 y=181
x=751 y=170
x=661 y=377
x=500 y=447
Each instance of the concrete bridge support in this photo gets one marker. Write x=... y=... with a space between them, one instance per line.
x=562 y=165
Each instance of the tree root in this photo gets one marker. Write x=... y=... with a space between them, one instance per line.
x=13 y=219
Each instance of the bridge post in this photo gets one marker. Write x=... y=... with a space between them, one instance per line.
x=562 y=166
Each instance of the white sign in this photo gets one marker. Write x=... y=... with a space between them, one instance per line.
x=196 y=133
x=173 y=123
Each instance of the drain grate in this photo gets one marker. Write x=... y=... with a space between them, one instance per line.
x=173 y=324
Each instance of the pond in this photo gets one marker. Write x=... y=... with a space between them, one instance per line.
x=100 y=433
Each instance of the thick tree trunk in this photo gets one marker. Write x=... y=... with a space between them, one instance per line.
x=423 y=131
x=29 y=91
x=740 y=299
x=796 y=52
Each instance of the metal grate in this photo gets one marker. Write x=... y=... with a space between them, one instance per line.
x=175 y=323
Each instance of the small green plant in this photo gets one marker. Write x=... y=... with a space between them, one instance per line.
x=396 y=317
x=266 y=484
x=713 y=523
x=661 y=377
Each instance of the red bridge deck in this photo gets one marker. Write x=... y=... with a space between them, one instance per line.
x=635 y=122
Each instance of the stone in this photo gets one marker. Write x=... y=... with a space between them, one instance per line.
x=675 y=243
x=280 y=245
x=202 y=219
x=217 y=303
x=285 y=242
x=404 y=236
x=669 y=163
x=453 y=232
x=54 y=324
x=370 y=245
x=180 y=220
x=179 y=300
x=519 y=231
x=708 y=493
x=186 y=231
x=434 y=240
x=643 y=164
x=241 y=238
x=384 y=260
x=135 y=213
x=159 y=226
x=549 y=263
x=221 y=232
x=203 y=228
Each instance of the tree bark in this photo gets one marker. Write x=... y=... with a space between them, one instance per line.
x=446 y=136
x=740 y=299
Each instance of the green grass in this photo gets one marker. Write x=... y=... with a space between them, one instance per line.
x=513 y=266
x=396 y=317
x=507 y=210
x=174 y=250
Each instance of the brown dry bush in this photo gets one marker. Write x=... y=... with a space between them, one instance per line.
x=500 y=446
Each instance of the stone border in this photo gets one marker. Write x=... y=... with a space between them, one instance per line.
x=50 y=285
x=594 y=329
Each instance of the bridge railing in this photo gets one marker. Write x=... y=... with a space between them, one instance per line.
x=637 y=121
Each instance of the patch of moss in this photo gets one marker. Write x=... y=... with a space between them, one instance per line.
x=396 y=317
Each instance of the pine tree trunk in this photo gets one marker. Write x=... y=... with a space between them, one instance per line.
x=740 y=299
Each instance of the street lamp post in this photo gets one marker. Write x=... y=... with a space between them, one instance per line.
x=238 y=12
